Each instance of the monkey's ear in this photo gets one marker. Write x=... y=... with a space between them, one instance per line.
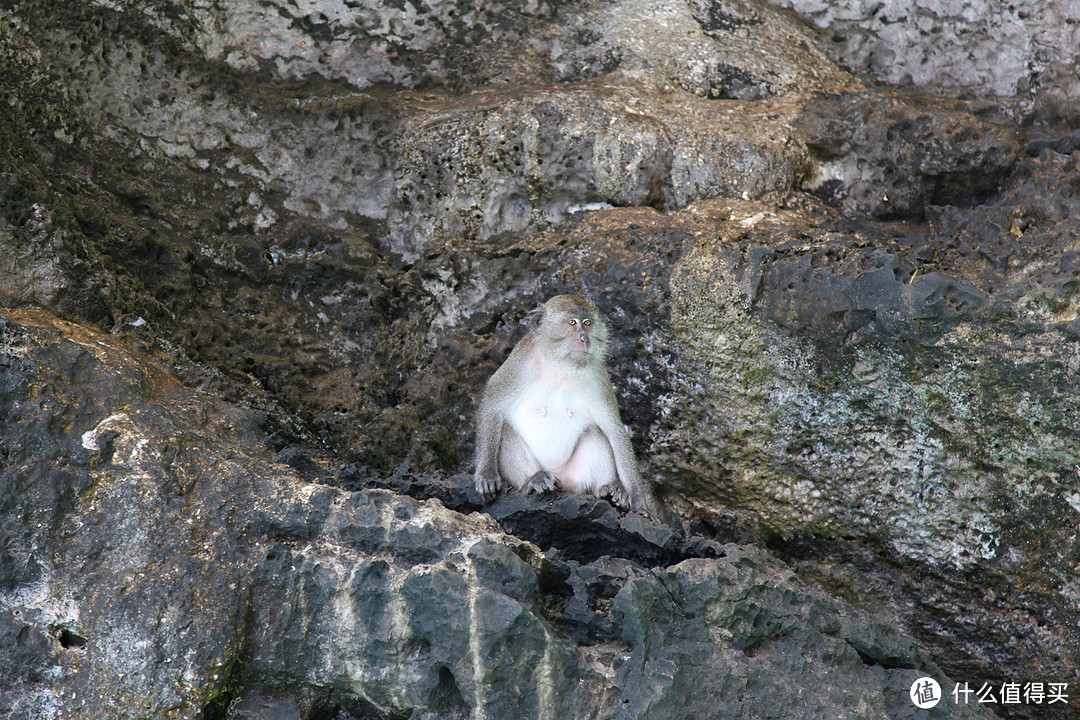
x=532 y=319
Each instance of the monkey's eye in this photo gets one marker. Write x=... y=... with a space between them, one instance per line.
x=571 y=321
x=586 y=322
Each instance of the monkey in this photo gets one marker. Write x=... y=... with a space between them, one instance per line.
x=548 y=418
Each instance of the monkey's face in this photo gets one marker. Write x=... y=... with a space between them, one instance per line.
x=574 y=330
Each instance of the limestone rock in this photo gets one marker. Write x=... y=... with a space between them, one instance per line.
x=742 y=49
x=158 y=563
x=292 y=242
x=735 y=49
x=990 y=48
x=503 y=164
x=892 y=157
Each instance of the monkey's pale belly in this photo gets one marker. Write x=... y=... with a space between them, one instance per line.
x=551 y=431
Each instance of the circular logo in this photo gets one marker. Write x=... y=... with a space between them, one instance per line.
x=925 y=693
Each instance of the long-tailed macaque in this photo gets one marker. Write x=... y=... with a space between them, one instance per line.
x=548 y=418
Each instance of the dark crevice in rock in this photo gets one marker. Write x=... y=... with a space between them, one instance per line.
x=446 y=699
x=584 y=539
x=70 y=639
x=1063 y=143
x=888 y=662
x=217 y=708
x=579 y=602
x=579 y=539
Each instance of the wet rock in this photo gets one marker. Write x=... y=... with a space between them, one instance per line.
x=44 y=260
x=114 y=491
x=503 y=161
x=171 y=592
x=735 y=49
x=495 y=162
x=441 y=616
x=258 y=704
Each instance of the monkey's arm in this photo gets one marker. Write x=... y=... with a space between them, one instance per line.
x=500 y=395
x=627 y=468
x=623 y=450
x=489 y=424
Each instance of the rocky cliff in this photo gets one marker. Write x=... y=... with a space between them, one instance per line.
x=257 y=259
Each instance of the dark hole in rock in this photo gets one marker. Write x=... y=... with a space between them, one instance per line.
x=446 y=699
x=70 y=639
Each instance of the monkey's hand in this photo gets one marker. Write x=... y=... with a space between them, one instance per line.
x=541 y=482
x=487 y=486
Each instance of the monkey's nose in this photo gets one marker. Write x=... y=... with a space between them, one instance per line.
x=582 y=338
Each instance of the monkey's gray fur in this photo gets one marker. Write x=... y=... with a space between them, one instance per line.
x=549 y=419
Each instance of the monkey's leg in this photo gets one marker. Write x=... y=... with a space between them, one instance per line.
x=592 y=466
x=517 y=464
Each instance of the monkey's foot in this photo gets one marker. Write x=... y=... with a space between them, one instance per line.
x=616 y=493
x=541 y=482
x=487 y=487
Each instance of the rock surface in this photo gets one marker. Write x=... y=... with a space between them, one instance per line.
x=159 y=563
x=1008 y=50
x=289 y=243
